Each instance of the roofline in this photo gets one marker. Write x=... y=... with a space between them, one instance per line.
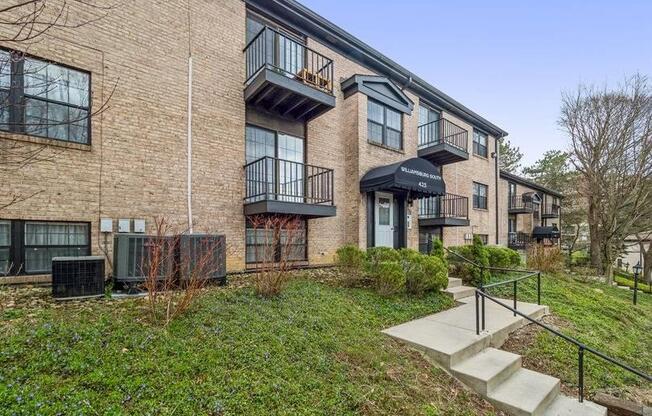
x=301 y=18
x=529 y=183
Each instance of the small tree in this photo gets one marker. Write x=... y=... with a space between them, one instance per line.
x=277 y=241
x=480 y=256
x=174 y=278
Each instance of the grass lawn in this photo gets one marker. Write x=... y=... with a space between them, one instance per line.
x=602 y=317
x=315 y=350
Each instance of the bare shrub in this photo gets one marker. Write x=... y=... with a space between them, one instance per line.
x=174 y=278
x=278 y=239
x=545 y=258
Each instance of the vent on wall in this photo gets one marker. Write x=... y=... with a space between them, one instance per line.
x=77 y=277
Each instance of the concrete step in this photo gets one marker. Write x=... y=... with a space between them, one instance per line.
x=454 y=282
x=447 y=345
x=566 y=406
x=525 y=393
x=460 y=292
x=486 y=370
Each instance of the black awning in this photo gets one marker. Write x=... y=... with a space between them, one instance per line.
x=545 y=232
x=417 y=176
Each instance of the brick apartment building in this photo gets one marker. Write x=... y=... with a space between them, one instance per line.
x=534 y=212
x=220 y=110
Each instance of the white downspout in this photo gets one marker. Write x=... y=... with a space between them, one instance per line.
x=189 y=142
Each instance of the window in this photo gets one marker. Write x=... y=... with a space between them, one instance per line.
x=384 y=125
x=5 y=245
x=51 y=101
x=266 y=245
x=43 y=241
x=480 y=192
x=428 y=128
x=484 y=238
x=285 y=160
x=37 y=242
x=479 y=143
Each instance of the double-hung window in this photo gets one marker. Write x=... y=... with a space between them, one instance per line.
x=43 y=99
x=480 y=192
x=384 y=125
x=480 y=143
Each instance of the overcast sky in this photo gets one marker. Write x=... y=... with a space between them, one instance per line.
x=509 y=61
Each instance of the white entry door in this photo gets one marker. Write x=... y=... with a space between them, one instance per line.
x=384 y=220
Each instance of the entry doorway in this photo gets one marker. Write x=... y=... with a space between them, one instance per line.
x=384 y=219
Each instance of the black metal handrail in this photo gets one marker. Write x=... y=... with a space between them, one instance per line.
x=269 y=178
x=279 y=52
x=521 y=202
x=581 y=346
x=443 y=131
x=445 y=206
x=481 y=293
x=551 y=210
x=519 y=239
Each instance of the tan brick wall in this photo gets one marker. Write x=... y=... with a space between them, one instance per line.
x=459 y=179
x=136 y=164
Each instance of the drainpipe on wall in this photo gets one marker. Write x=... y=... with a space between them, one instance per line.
x=189 y=148
x=189 y=132
x=497 y=167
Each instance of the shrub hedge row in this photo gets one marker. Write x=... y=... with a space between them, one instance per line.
x=392 y=271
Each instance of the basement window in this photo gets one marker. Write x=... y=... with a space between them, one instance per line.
x=27 y=247
x=267 y=245
x=43 y=99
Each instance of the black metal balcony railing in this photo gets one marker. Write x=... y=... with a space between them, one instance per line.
x=443 y=131
x=447 y=206
x=551 y=210
x=270 y=178
x=273 y=50
x=521 y=203
x=518 y=239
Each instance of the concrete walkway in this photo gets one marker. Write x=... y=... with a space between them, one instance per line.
x=449 y=339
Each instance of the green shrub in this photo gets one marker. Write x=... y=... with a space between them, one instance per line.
x=351 y=262
x=503 y=257
x=426 y=273
x=376 y=255
x=437 y=248
x=389 y=277
x=477 y=253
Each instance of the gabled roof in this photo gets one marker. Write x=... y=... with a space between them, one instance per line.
x=298 y=17
x=527 y=182
x=379 y=88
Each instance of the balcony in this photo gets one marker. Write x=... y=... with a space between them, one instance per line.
x=519 y=240
x=277 y=186
x=286 y=77
x=521 y=205
x=550 y=211
x=443 y=142
x=447 y=210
